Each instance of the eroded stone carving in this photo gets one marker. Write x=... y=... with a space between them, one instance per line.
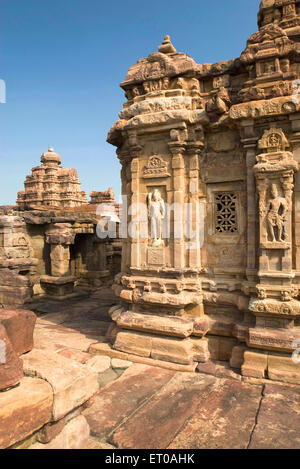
x=276 y=215
x=156 y=208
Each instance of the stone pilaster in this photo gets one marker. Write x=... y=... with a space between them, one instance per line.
x=178 y=168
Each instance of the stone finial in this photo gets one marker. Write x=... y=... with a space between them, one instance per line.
x=50 y=157
x=167 y=46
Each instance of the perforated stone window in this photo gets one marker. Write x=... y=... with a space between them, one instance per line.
x=226 y=213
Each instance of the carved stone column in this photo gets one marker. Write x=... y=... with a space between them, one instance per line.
x=275 y=307
x=177 y=149
x=196 y=217
x=60 y=283
x=17 y=263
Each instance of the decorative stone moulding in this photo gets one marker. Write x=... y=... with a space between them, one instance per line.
x=289 y=309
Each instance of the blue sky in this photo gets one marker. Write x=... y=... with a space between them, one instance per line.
x=63 y=60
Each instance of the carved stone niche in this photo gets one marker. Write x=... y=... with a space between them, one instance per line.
x=274 y=173
x=156 y=167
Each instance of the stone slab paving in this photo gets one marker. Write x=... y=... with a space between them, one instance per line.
x=153 y=408
x=116 y=403
x=278 y=421
x=156 y=408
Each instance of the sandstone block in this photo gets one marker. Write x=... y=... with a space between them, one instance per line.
x=11 y=366
x=173 y=350
x=282 y=368
x=76 y=355
x=134 y=342
x=255 y=364
x=73 y=436
x=185 y=392
x=118 y=364
x=72 y=383
x=170 y=326
x=220 y=348
x=102 y=348
x=279 y=415
x=119 y=399
x=201 y=351
x=99 y=364
x=272 y=339
x=19 y=325
x=24 y=410
x=237 y=356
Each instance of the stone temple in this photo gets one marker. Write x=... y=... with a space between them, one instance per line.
x=226 y=135
x=202 y=271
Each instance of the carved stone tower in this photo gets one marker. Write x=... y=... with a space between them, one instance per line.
x=51 y=185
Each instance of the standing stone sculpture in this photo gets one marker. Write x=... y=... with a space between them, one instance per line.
x=156 y=208
x=276 y=215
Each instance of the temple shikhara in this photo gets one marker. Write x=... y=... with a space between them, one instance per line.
x=222 y=139
x=51 y=185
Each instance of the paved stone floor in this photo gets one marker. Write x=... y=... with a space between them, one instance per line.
x=153 y=408
x=148 y=407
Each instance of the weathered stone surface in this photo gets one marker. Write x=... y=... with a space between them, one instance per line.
x=158 y=416
x=74 y=435
x=105 y=349
x=72 y=383
x=119 y=364
x=134 y=342
x=176 y=327
x=102 y=366
x=19 y=325
x=255 y=364
x=119 y=399
x=220 y=348
x=76 y=355
x=209 y=426
x=52 y=429
x=237 y=356
x=24 y=410
x=278 y=422
x=200 y=350
x=176 y=350
x=218 y=369
x=282 y=368
x=59 y=337
x=93 y=443
x=11 y=366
